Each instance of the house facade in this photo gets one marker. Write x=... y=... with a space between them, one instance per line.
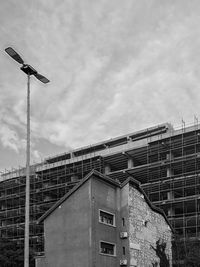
x=101 y=222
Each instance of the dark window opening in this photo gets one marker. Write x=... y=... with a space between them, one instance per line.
x=106 y=218
x=107 y=248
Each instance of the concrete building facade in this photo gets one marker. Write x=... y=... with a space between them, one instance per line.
x=103 y=223
x=166 y=161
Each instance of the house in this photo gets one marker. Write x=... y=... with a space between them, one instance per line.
x=102 y=223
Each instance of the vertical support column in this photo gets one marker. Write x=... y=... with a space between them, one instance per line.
x=170 y=194
x=130 y=163
x=170 y=171
x=107 y=169
x=171 y=212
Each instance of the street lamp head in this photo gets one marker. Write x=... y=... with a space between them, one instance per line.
x=12 y=53
x=41 y=78
x=28 y=69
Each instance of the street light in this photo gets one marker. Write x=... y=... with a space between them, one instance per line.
x=29 y=70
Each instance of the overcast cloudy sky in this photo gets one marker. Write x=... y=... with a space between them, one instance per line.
x=115 y=67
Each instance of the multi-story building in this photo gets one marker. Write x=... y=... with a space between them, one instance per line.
x=165 y=161
x=101 y=222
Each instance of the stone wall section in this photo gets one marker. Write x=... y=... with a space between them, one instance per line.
x=145 y=228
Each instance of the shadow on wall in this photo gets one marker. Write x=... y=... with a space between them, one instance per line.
x=160 y=252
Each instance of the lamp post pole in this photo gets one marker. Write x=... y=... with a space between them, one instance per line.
x=28 y=70
x=27 y=202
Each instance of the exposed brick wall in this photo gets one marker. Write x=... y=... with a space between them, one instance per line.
x=145 y=228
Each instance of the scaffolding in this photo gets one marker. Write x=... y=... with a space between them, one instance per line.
x=46 y=188
x=165 y=161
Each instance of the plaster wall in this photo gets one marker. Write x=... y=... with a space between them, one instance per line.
x=40 y=262
x=124 y=223
x=104 y=197
x=68 y=228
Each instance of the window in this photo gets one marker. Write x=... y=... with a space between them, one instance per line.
x=123 y=222
x=107 y=218
x=124 y=251
x=107 y=248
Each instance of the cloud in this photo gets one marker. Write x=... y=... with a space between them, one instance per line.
x=10 y=139
x=114 y=68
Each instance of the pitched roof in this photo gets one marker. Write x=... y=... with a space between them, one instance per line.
x=106 y=179
x=137 y=185
x=75 y=188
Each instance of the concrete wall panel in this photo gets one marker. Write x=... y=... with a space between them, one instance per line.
x=68 y=241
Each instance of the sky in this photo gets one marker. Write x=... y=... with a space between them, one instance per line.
x=114 y=67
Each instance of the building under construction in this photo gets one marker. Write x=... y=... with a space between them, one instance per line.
x=165 y=161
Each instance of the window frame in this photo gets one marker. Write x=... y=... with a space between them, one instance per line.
x=110 y=243
x=109 y=213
